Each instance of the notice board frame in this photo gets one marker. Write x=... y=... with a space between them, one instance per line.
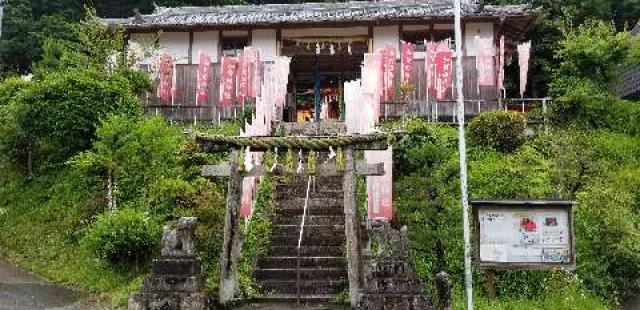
x=524 y=205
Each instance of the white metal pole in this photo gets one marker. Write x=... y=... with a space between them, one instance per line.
x=462 y=149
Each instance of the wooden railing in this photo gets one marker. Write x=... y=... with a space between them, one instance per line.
x=422 y=103
x=446 y=110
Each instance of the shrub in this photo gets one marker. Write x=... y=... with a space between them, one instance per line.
x=257 y=237
x=503 y=131
x=58 y=115
x=524 y=174
x=608 y=239
x=125 y=237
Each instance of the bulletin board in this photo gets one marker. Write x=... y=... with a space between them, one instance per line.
x=514 y=234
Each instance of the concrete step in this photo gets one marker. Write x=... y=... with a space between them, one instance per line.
x=308 y=229
x=309 y=240
x=310 y=220
x=312 y=209
x=306 y=251
x=286 y=193
x=298 y=186
x=305 y=262
x=312 y=203
x=306 y=287
x=315 y=274
x=289 y=302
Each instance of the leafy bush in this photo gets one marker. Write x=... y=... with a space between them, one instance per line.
x=257 y=237
x=57 y=116
x=426 y=192
x=137 y=153
x=525 y=174
x=608 y=238
x=590 y=57
x=124 y=236
x=503 y=131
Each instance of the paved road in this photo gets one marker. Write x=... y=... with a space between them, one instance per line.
x=633 y=303
x=20 y=290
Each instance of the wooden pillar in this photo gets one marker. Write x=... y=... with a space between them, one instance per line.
x=231 y=244
x=352 y=228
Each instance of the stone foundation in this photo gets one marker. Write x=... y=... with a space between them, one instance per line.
x=390 y=280
x=176 y=279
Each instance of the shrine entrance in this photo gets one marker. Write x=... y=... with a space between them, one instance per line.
x=320 y=241
x=319 y=67
x=311 y=278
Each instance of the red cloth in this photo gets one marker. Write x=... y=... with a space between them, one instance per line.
x=485 y=63
x=165 y=77
x=523 y=60
x=444 y=69
x=408 y=50
x=252 y=58
x=228 y=70
x=204 y=78
x=380 y=188
x=246 y=204
x=430 y=64
x=371 y=91
x=501 y=65
x=389 y=67
x=243 y=79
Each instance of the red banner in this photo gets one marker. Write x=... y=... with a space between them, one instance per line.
x=165 y=72
x=408 y=50
x=501 y=65
x=431 y=49
x=248 y=189
x=243 y=80
x=389 y=67
x=380 y=188
x=228 y=70
x=444 y=69
x=204 y=78
x=252 y=59
x=485 y=64
x=523 y=60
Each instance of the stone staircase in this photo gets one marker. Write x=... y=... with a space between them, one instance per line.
x=323 y=272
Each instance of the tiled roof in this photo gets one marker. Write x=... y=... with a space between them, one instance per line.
x=272 y=14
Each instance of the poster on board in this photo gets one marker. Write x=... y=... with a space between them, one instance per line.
x=524 y=233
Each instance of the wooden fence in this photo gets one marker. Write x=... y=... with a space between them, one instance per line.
x=422 y=102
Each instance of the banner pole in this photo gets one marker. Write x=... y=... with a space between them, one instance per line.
x=462 y=149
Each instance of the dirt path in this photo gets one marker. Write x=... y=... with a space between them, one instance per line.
x=20 y=290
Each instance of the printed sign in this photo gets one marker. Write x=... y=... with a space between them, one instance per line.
x=537 y=234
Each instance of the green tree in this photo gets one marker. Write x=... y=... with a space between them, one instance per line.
x=56 y=117
x=133 y=154
x=589 y=59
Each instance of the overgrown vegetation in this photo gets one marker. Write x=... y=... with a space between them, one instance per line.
x=256 y=234
x=127 y=238
x=603 y=177
x=502 y=131
x=87 y=180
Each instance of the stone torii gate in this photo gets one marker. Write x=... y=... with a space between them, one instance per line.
x=231 y=250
